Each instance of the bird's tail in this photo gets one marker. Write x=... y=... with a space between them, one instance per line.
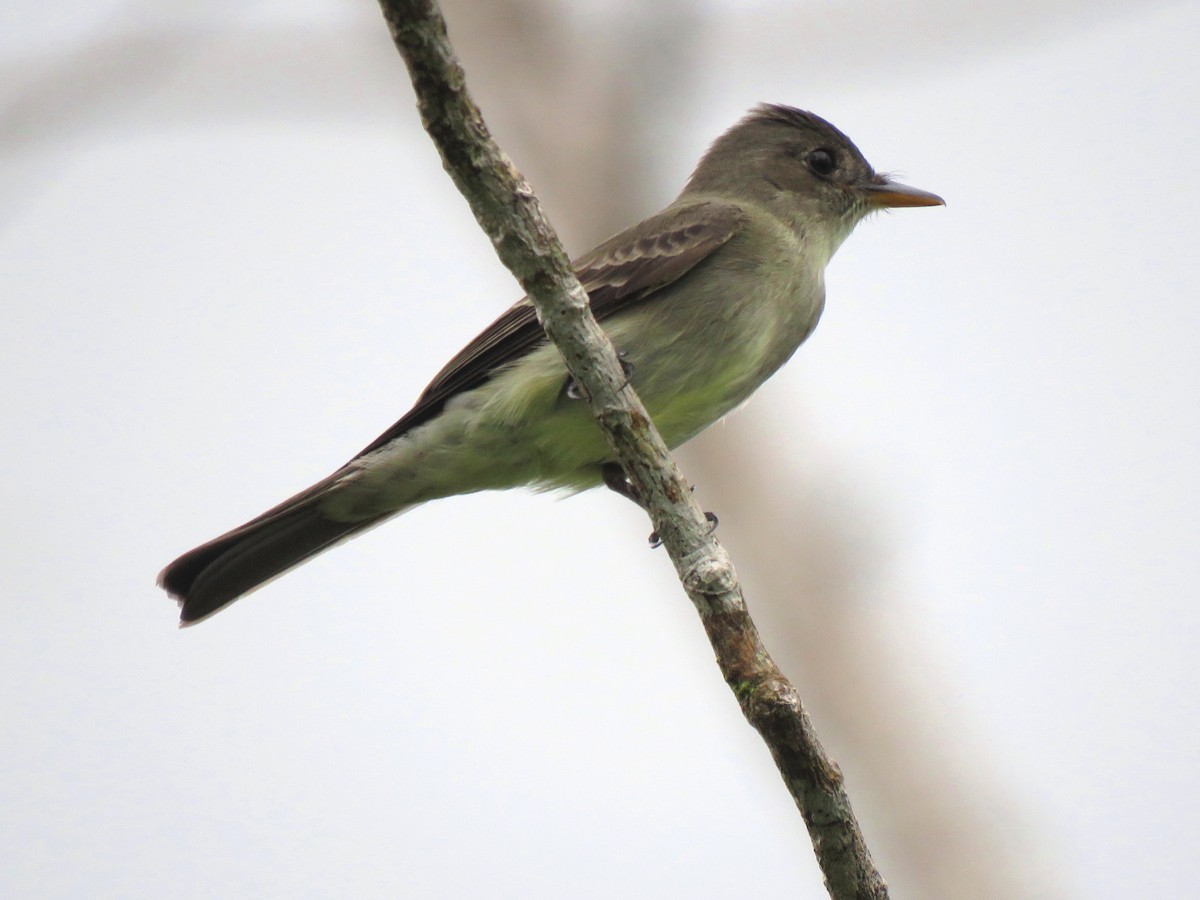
x=212 y=576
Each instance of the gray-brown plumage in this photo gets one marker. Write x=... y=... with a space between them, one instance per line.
x=704 y=301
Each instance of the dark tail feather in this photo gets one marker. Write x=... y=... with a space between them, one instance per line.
x=215 y=574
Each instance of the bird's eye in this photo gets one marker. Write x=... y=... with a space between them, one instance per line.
x=821 y=162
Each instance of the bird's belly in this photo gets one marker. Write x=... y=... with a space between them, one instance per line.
x=701 y=381
x=525 y=427
x=688 y=375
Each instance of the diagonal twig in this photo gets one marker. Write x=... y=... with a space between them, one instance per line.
x=508 y=211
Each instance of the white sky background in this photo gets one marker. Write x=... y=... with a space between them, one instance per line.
x=228 y=264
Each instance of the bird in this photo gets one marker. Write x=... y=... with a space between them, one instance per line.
x=703 y=301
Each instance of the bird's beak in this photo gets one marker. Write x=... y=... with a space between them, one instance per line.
x=884 y=194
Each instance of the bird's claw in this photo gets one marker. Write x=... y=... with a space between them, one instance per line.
x=574 y=392
x=713 y=521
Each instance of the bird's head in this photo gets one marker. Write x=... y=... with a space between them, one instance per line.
x=803 y=169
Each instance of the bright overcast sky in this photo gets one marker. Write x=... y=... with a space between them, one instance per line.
x=226 y=270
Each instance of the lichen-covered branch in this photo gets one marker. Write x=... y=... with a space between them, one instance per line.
x=509 y=213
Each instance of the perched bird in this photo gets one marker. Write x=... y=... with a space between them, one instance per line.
x=703 y=301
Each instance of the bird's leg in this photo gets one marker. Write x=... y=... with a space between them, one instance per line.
x=617 y=481
x=656 y=541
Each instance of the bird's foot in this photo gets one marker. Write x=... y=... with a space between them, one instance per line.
x=713 y=521
x=616 y=480
x=575 y=392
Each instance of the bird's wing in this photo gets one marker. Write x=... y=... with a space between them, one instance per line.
x=624 y=270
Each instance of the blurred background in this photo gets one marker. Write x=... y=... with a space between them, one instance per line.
x=966 y=514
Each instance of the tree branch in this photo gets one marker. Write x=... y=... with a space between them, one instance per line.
x=509 y=213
